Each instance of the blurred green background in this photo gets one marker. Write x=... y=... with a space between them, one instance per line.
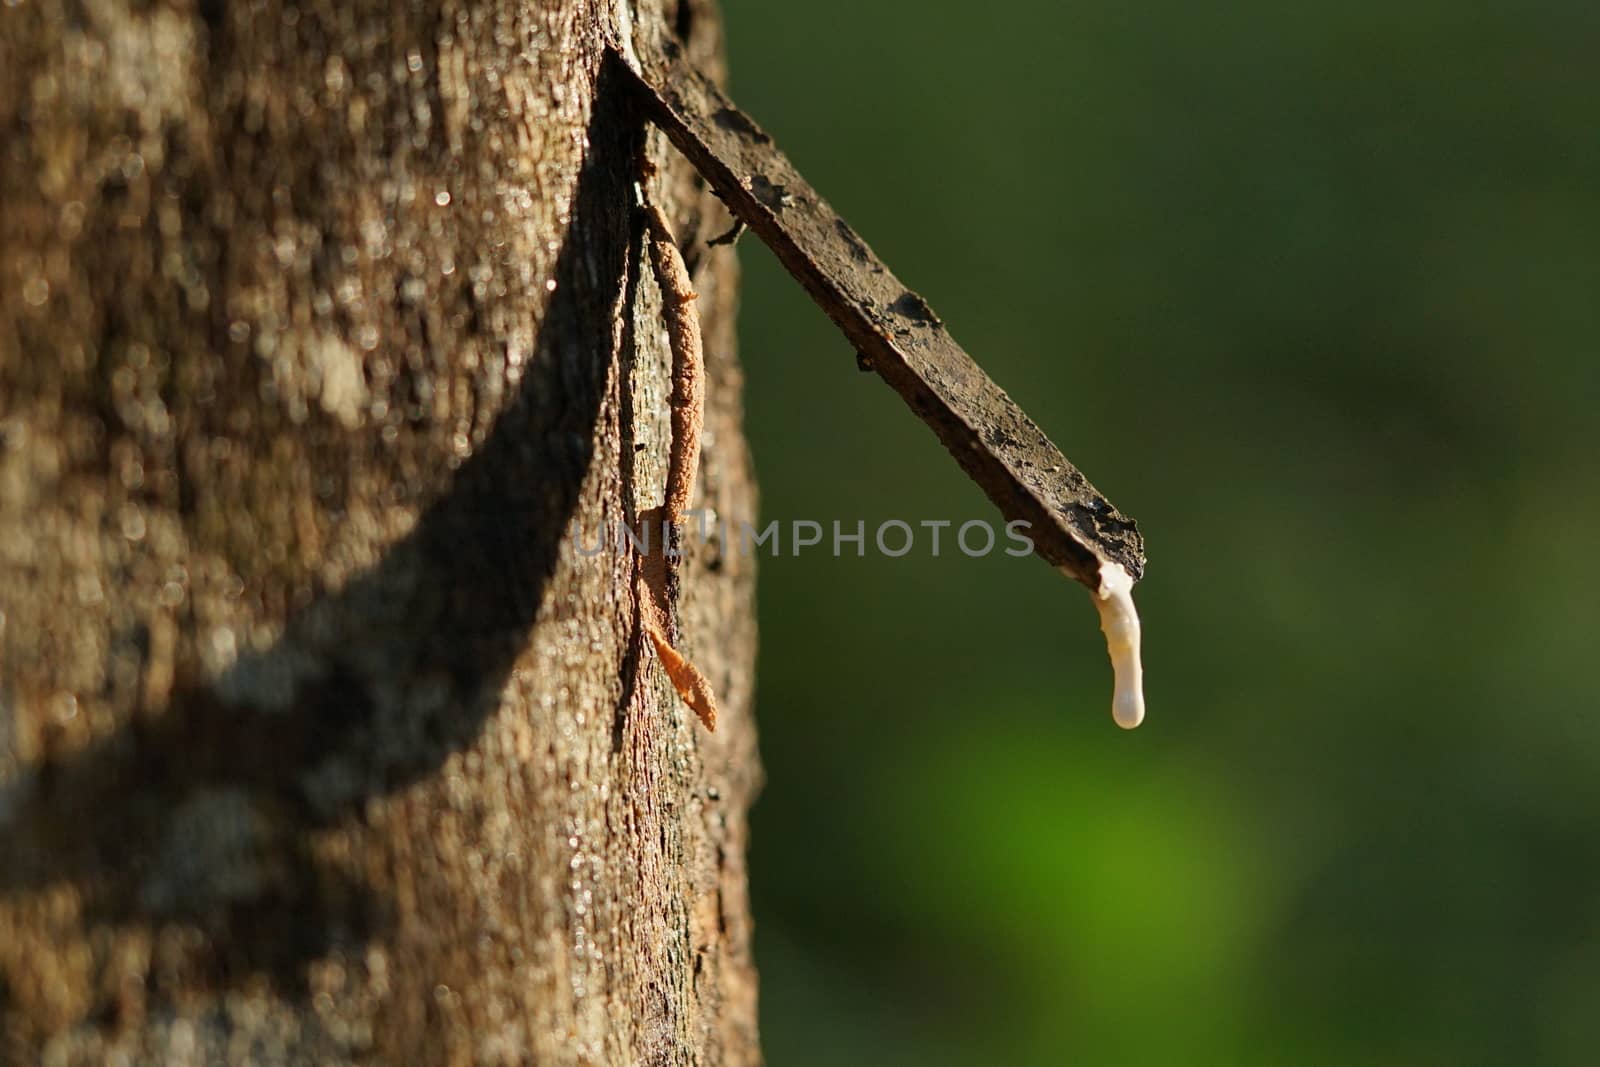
x=1310 y=290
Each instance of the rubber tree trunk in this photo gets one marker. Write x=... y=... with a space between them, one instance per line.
x=326 y=360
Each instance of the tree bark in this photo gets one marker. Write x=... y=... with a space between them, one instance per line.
x=326 y=355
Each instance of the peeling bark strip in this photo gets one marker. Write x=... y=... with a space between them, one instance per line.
x=896 y=333
x=688 y=403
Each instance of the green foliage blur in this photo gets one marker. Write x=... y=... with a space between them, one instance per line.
x=1312 y=290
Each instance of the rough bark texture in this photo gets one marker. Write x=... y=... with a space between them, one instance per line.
x=324 y=344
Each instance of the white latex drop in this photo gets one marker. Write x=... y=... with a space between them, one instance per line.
x=1120 y=621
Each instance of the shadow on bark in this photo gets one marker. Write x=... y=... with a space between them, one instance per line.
x=205 y=814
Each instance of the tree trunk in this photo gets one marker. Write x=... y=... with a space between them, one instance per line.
x=326 y=355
